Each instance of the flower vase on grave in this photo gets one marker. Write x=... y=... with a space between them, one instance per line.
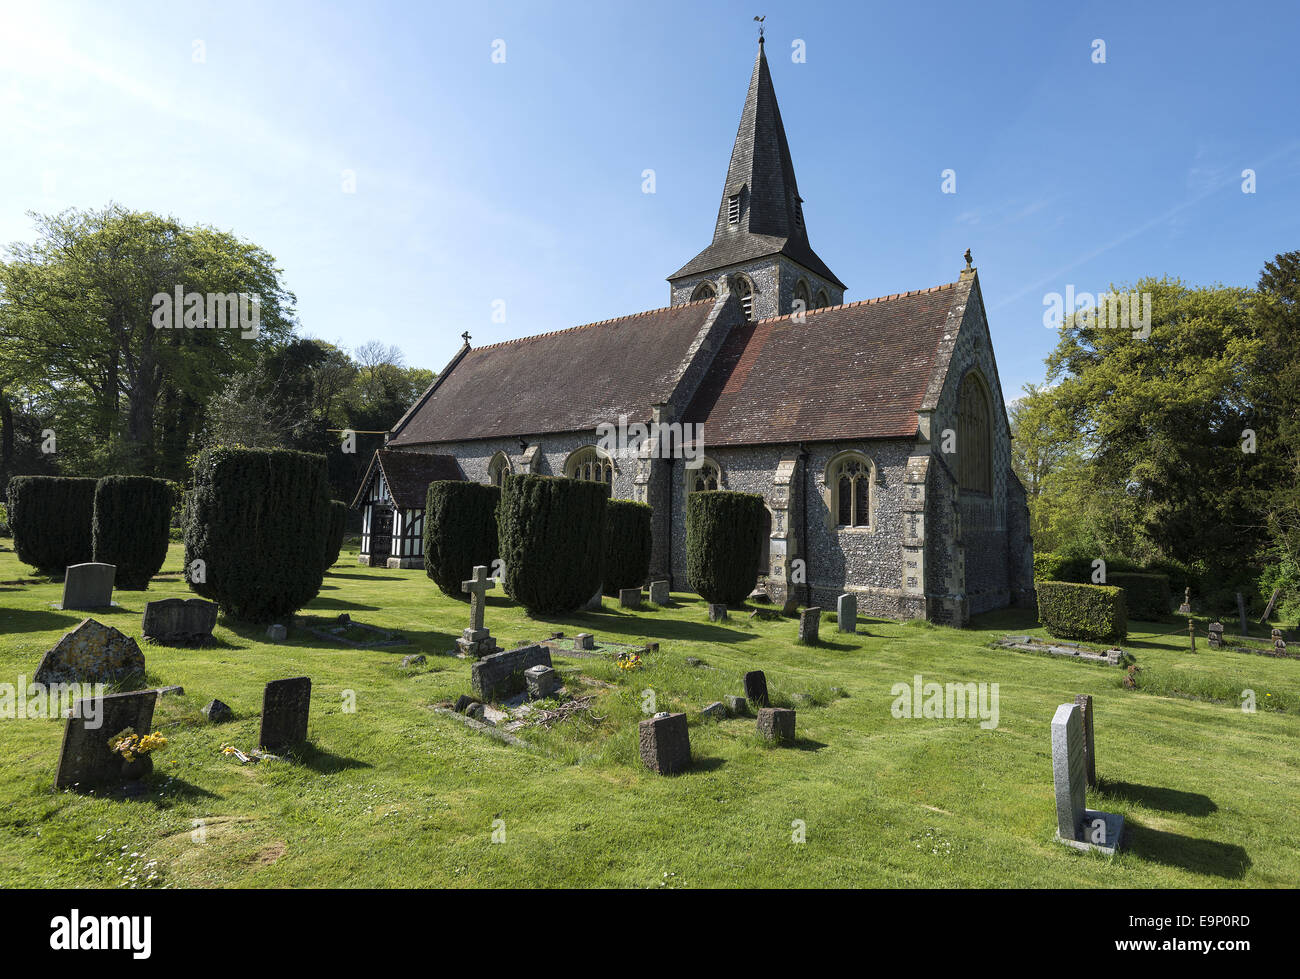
x=134 y=772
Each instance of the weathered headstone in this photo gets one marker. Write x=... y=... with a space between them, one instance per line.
x=477 y=641
x=285 y=706
x=1089 y=741
x=1279 y=644
x=846 y=612
x=277 y=632
x=1215 y=632
x=810 y=625
x=88 y=586
x=584 y=640
x=659 y=592
x=756 y=688
x=90 y=653
x=714 y=711
x=665 y=743
x=541 y=681
x=629 y=597
x=85 y=760
x=498 y=675
x=776 y=724
x=1077 y=825
x=179 y=621
x=736 y=705
x=216 y=712
x=717 y=612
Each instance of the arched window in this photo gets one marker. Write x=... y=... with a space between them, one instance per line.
x=823 y=300
x=974 y=450
x=498 y=469
x=588 y=464
x=704 y=478
x=743 y=288
x=705 y=290
x=849 y=480
x=801 y=295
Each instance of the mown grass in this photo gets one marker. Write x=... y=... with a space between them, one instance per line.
x=396 y=795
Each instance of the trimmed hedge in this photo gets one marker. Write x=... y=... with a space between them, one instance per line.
x=1096 y=613
x=627 y=545
x=254 y=519
x=552 y=541
x=51 y=517
x=1147 y=596
x=723 y=544
x=334 y=528
x=130 y=527
x=460 y=532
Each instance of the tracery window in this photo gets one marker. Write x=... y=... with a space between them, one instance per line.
x=588 y=464
x=704 y=478
x=705 y=290
x=850 y=484
x=498 y=469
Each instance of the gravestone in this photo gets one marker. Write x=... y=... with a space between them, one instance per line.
x=476 y=642
x=85 y=760
x=277 y=632
x=179 y=621
x=756 y=688
x=1186 y=607
x=1077 y=825
x=216 y=712
x=810 y=625
x=717 y=612
x=596 y=600
x=846 y=612
x=1279 y=644
x=499 y=675
x=88 y=586
x=714 y=711
x=584 y=640
x=736 y=705
x=665 y=743
x=1089 y=742
x=659 y=592
x=1215 y=631
x=541 y=681
x=90 y=653
x=285 y=704
x=776 y=724
x=629 y=597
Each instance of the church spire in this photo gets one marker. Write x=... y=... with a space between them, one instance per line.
x=761 y=213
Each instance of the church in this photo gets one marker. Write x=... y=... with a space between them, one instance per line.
x=875 y=430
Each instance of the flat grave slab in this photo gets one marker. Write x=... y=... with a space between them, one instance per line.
x=1059 y=647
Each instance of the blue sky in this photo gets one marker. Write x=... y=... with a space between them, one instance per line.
x=521 y=181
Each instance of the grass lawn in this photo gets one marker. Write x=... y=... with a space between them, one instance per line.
x=394 y=795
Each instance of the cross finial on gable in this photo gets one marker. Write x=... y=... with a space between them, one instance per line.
x=465 y=336
x=969 y=270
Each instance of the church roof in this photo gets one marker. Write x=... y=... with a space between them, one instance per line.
x=771 y=219
x=408 y=475
x=857 y=371
x=566 y=381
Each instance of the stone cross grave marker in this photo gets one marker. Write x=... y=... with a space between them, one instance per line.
x=285 y=704
x=846 y=612
x=1077 y=825
x=85 y=760
x=477 y=641
x=88 y=586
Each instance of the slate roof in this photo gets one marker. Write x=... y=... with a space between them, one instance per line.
x=855 y=371
x=408 y=475
x=566 y=381
x=771 y=218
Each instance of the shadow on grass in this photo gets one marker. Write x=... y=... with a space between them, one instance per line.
x=1160 y=799
x=175 y=790
x=40 y=620
x=1200 y=856
x=325 y=762
x=319 y=603
x=359 y=577
x=807 y=744
x=699 y=765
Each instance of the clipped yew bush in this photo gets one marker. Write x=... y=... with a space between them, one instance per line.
x=460 y=532
x=723 y=544
x=1093 y=613
x=335 y=526
x=1147 y=596
x=129 y=529
x=254 y=521
x=627 y=545
x=552 y=541
x=50 y=517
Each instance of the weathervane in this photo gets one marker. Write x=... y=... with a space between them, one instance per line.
x=760 y=20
